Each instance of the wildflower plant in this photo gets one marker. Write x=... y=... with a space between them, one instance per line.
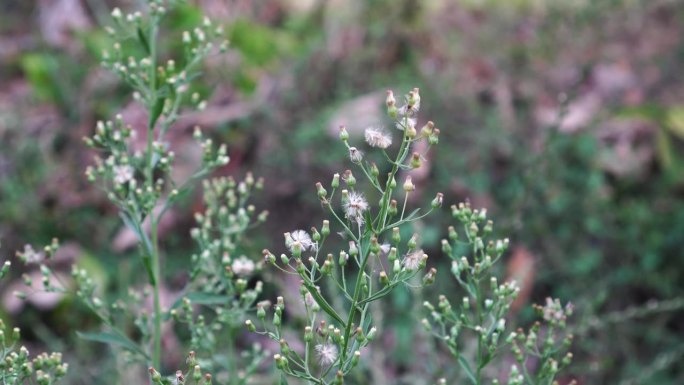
x=16 y=365
x=138 y=181
x=475 y=329
x=338 y=286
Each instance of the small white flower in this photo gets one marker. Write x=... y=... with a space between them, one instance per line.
x=355 y=206
x=385 y=248
x=413 y=260
x=123 y=173
x=355 y=155
x=302 y=237
x=378 y=137
x=31 y=256
x=243 y=266
x=554 y=311
x=327 y=353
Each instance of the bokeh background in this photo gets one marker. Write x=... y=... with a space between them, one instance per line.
x=565 y=119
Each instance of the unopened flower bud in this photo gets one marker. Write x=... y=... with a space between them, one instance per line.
x=413 y=242
x=393 y=210
x=374 y=170
x=383 y=278
x=393 y=182
x=396 y=235
x=426 y=130
x=374 y=246
x=437 y=202
x=344 y=135
x=433 y=139
x=446 y=247
x=408 y=184
x=353 y=250
x=349 y=178
x=392 y=255
x=342 y=261
x=429 y=278
x=155 y=375
x=416 y=162
x=268 y=257
x=315 y=235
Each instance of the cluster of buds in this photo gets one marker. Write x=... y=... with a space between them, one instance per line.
x=140 y=69
x=136 y=181
x=222 y=226
x=546 y=345
x=194 y=375
x=17 y=367
x=41 y=258
x=482 y=311
x=32 y=257
x=218 y=269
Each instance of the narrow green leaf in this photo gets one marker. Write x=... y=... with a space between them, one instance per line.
x=143 y=41
x=156 y=111
x=466 y=367
x=322 y=302
x=283 y=380
x=144 y=240
x=113 y=339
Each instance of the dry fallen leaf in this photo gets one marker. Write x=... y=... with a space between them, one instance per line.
x=521 y=270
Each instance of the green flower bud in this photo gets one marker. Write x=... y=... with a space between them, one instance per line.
x=322 y=193
x=344 y=135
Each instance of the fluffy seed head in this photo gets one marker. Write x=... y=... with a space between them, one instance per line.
x=355 y=206
x=300 y=236
x=378 y=137
x=243 y=266
x=327 y=353
x=355 y=155
x=413 y=260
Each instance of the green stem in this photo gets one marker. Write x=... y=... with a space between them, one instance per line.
x=355 y=302
x=149 y=175
x=156 y=357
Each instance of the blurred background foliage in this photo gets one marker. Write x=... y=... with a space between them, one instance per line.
x=564 y=118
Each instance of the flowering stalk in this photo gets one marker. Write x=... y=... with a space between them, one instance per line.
x=484 y=307
x=375 y=250
x=140 y=184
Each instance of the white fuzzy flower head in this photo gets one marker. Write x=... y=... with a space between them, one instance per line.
x=122 y=173
x=355 y=206
x=243 y=266
x=355 y=155
x=31 y=256
x=378 y=137
x=413 y=260
x=327 y=353
x=300 y=236
x=553 y=311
